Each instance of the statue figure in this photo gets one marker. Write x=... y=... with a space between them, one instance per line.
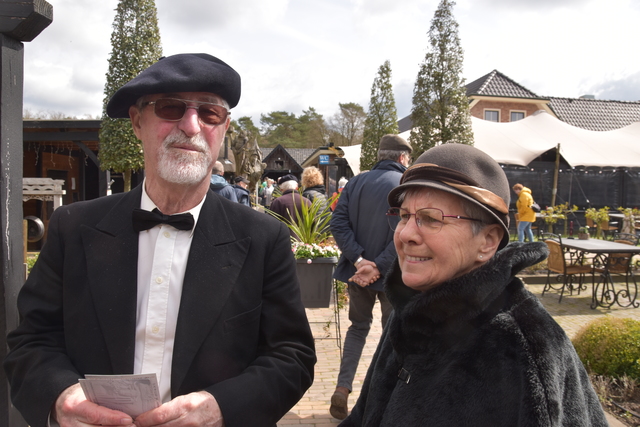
x=252 y=166
x=238 y=143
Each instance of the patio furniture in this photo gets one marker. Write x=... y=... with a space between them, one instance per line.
x=567 y=263
x=610 y=257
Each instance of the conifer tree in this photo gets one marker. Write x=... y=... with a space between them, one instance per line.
x=135 y=45
x=440 y=112
x=382 y=117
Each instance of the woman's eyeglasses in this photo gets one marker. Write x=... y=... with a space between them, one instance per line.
x=429 y=220
x=173 y=110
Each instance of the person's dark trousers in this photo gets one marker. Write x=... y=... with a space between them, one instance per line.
x=361 y=302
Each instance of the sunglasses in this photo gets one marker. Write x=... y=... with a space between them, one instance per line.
x=173 y=110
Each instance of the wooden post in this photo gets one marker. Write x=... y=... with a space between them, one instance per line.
x=555 y=177
x=20 y=21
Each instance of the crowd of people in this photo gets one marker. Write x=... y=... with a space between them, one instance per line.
x=177 y=278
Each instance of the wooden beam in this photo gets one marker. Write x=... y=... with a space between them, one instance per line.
x=23 y=20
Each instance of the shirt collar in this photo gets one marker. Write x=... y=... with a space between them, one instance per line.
x=147 y=204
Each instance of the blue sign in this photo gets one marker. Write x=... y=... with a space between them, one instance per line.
x=324 y=159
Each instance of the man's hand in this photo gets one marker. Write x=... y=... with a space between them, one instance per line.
x=73 y=409
x=193 y=409
x=366 y=274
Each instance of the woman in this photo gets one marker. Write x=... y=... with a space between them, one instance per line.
x=313 y=185
x=467 y=344
x=526 y=215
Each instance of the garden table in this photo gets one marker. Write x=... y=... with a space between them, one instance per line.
x=604 y=292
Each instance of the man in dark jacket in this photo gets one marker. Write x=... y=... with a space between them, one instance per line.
x=288 y=206
x=360 y=227
x=220 y=185
x=167 y=279
x=240 y=187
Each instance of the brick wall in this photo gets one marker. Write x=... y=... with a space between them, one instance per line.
x=505 y=108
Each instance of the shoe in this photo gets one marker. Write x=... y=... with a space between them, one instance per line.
x=338 y=407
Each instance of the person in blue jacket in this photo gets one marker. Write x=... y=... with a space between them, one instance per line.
x=359 y=226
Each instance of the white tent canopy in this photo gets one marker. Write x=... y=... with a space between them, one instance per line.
x=352 y=155
x=520 y=142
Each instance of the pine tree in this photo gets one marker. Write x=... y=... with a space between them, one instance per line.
x=382 y=117
x=135 y=45
x=440 y=112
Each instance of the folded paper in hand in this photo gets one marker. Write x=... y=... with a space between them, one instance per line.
x=131 y=394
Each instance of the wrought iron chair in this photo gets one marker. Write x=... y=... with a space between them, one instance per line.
x=567 y=264
x=619 y=264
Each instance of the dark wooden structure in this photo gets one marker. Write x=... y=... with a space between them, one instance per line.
x=20 y=21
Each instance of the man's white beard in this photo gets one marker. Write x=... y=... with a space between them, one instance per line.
x=181 y=166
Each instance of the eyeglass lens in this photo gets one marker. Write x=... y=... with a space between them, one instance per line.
x=174 y=109
x=428 y=219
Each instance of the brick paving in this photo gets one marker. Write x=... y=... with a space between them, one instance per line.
x=313 y=409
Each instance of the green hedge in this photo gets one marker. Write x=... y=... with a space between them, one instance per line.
x=610 y=346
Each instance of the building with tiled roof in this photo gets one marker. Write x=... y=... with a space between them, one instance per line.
x=496 y=84
x=595 y=114
x=498 y=98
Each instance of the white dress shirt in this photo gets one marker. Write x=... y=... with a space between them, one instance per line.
x=163 y=252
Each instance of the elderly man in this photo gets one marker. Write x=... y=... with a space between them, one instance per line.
x=289 y=205
x=169 y=278
x=220 y=185
x=240 y=188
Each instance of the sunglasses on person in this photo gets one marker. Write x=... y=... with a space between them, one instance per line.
x=429 y=220
x=173 y=110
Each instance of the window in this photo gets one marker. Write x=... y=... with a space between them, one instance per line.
x=492 y=115
x=517 y=115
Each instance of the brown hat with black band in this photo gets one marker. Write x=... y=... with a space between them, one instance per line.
x=465 y=171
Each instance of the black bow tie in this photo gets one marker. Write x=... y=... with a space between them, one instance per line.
x=144 y=220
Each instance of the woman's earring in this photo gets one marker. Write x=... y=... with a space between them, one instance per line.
x=480 y=256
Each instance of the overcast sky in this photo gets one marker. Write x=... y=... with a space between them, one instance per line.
x=297 y=54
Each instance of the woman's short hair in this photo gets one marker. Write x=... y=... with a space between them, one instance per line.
x=311 y=177
x=288 y=185
x=517 y=187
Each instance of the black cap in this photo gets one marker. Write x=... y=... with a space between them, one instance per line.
x=238 y=179
x=185 y=72
x=288 y=177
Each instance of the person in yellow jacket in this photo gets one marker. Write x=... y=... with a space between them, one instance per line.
x=526 y=215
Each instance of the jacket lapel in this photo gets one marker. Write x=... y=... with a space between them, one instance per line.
x=111 y=251
x=215 y=261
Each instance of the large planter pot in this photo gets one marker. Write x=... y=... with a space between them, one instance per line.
x=316 y=280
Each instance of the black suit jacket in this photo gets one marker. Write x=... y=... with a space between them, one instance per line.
x=242 y=333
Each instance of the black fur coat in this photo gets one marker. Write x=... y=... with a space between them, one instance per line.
x=479 y=350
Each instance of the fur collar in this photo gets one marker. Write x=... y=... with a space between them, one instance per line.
x=465 y=300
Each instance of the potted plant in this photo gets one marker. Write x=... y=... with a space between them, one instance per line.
x=314 y=250
x=598 y=217
x=551 y=215
x=583 y=233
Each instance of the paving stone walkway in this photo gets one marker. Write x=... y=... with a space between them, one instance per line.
x=313 y=409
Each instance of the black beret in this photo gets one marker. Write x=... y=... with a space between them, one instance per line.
x=185 y=72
